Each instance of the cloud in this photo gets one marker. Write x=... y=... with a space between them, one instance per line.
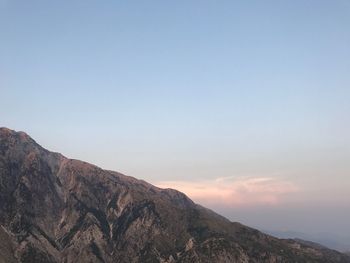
x=233 y=191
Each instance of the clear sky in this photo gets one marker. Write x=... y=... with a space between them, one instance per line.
x=243 y=105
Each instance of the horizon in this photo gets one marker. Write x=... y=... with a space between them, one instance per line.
x=242 y=106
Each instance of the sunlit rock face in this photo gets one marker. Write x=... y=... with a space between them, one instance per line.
x=54 y=209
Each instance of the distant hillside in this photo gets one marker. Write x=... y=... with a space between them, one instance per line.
x=337 y=242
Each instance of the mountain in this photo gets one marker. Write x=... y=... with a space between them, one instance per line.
x=330 y=240
x=55 y=209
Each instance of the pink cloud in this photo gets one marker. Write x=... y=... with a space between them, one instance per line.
x=231 y=191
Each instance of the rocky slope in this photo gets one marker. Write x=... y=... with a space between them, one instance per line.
x=55 y=209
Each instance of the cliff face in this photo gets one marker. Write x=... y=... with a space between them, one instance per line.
x=54 y=209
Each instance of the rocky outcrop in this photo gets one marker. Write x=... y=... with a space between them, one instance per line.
x=55 y=209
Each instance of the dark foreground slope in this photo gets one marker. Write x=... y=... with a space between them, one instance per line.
x=54 y=209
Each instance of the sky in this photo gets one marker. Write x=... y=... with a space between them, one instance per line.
x=242 y=105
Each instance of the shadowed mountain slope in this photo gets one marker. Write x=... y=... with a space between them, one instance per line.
x=55 y=209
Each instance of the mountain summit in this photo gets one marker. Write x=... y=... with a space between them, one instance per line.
x=55 y=209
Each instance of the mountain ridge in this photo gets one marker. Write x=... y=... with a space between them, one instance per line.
x=56 y=209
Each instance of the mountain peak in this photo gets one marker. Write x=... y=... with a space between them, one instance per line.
x=55 y=209
x=7 y=133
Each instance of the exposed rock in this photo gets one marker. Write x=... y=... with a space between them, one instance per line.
x=55 y=209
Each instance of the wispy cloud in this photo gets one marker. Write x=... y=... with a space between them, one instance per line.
x=233 y=191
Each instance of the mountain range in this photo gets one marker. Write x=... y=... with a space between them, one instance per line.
x=330 y=240
x=56 y=209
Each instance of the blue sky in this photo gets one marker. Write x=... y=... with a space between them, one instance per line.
x=250 y=95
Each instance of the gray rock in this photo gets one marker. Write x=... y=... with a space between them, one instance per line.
x=55 y=209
